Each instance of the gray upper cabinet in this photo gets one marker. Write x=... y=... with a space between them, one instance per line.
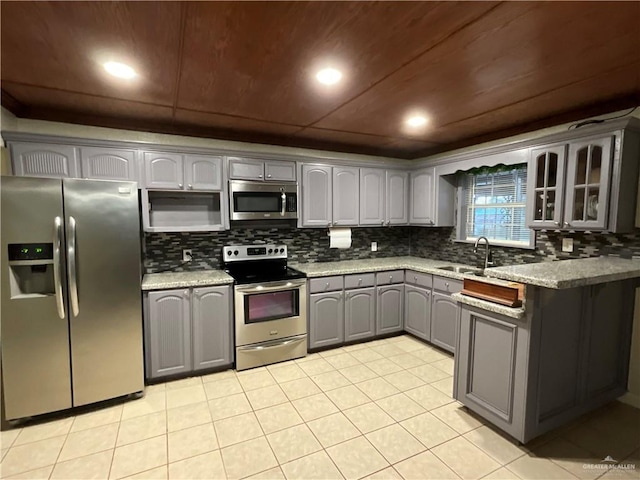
x=203 y=172
x=316 y=196
x=326 y=319
x=588 y=181
x=372 y=196
x=168 y=333
x=279 y=171
x=422 y=197
x=390 y=309
x=246 y=169
x=163 y=171
x=397 y=188
x=346 y=196
x=45 y=160
x=253 y=169
x=444 y=321
x=360 y=314
x=211 y=316
x=417 y=311
x=109 y=164
x=545 y=182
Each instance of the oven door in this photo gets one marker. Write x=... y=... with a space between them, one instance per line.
x=262 y=201
x=270 y=311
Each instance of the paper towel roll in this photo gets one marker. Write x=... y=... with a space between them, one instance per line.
x=339 y=237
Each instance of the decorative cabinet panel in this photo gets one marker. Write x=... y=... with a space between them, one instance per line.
x=444 y=321
x=212 y=340
x=168 y=333
x=545 y=178
x=109 y=164
x=326 y=319
x=316 y=196
x=372 y=195
x=163 y=171
x=188 y=330
x=360 y=314
x=45 y=160
x=390 y=309
x=490 y=369
x=252 y=169
x=397 y=187
x=346 y=196
x=202 y=172
x=588 y=180
x=417 y=311
x=422 y=197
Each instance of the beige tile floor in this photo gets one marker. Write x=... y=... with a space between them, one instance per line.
x=380 y=410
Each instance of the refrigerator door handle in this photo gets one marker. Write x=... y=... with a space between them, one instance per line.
x=71 y=259
x=57 y=267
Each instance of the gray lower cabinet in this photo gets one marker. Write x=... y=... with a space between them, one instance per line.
x=360 y=314
x=212 y=340
x=326 y=319
x=417 y=311
x=168 y=333
x=567 y=356
x=444 y=321
x=390 y=309
x=187 y=330
x=491 y=368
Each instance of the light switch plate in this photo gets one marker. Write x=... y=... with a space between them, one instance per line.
x=567 y=244
x=374 y=246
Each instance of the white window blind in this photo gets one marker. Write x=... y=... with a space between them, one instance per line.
x=493 y=206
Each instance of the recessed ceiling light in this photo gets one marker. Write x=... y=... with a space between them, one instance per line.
x=329 y=76
x=416 y=121
x=119 y=70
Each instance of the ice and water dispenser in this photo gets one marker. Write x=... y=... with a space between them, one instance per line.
x=31 y=270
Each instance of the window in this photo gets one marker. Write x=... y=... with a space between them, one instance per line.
x=493 y=205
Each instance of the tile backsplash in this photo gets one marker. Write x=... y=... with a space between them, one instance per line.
x=164 y=250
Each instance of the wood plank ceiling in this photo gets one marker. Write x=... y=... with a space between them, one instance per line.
x=245 y=70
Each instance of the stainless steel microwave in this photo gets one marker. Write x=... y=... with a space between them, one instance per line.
x=263 y=200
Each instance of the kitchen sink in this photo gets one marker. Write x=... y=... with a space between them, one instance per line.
x=451 y=268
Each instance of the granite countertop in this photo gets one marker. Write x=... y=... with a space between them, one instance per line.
x=513 y=312
x=201 y=278
x=346 y=267
x=569 y=273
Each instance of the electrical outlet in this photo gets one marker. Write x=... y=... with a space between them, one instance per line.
x=374 y=246
x=187 y=255
x=567 y=244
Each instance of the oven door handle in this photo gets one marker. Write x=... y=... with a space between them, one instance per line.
x=274 y=343
x=271 y=287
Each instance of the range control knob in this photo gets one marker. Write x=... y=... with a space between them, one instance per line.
x=282 y=250
x=228 y=252
x=270 y=250
x=235 y=252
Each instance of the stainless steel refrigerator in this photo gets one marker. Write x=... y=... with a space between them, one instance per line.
x=71 y=303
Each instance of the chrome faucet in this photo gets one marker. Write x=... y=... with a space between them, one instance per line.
x=487 y=252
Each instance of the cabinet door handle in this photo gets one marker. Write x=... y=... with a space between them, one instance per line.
x=359 y=281
x=446 y=284
x=566 y=224
x=382 y=223
x=196 y=291
x=259 y=176
x=335 y=223
x=391 y=278
x=269 y=176
x=415 y=279
x=180 y=185
x=185 y=294
x=190 y=187
x=556 y=223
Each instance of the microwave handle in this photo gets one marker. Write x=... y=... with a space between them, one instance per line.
x=284 y=203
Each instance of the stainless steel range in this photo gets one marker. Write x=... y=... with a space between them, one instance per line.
x=270 y=305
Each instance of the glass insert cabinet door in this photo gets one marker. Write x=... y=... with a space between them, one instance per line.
x=546 y=174
x=588 y=182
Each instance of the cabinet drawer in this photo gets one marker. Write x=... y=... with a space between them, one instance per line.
x=421 y=279
x=386 y=278
x=325 y=284
x=360 y=281
x=448 y=285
